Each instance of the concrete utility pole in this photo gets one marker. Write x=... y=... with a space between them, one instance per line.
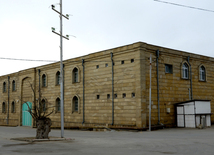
x=8 y=101
x=61 y=65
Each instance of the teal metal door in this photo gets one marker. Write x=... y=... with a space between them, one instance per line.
x=26 y=117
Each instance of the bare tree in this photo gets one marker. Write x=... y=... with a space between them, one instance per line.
x=41 y=116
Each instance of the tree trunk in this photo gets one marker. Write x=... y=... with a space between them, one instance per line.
x=43 y=128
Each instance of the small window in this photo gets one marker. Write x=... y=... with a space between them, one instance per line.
x=43 y=105
x=98 y=96
x=132 y=60
x=13 y=107
x=106 y=65
x=44 y=80
x=168 y=68
x=108 y=96
x=97 y=66
x=122 y=62
x=115 y=95
x=4 y=87
x=14 y=85
x=3 y=107
x=124 y=95
x=58 y=78
x=58 y=105
x=75 y=104
x=133 y=95
x=202 y=73
x=75 y=75
x=185 y=71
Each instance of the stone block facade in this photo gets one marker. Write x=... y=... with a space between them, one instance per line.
x=115 y=95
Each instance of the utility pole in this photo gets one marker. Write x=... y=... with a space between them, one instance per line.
x=150 y=92
x=8 y=101
x=61 y=65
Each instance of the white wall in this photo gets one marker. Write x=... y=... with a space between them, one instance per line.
x=190 y=121
x=189 y=108
x=202 y=107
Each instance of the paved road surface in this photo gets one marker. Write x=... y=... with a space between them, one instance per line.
x=166 y=141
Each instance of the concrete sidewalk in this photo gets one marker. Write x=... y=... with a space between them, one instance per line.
x=165 y=141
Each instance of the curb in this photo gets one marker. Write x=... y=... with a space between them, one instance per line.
x=32 y=139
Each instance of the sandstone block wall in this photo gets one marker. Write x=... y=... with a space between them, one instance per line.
x=130 y=81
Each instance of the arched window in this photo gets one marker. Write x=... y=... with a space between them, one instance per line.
x=202 y=73
x=58 y=107
x=44 y=80
x=75 y=75
x=58 y=78
x=75 y=104
x=43 y=105
x=4 y=87
x=3 y=107
x=13 y=107
x=14 y=85
x=185 y=71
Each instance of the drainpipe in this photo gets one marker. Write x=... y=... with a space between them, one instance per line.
x=157 y=56
x=40 y=106
x=83 y=82
x=190 y=77
x=112 y=67
x=8 y=101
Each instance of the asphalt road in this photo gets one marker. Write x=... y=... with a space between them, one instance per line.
x=164 y=141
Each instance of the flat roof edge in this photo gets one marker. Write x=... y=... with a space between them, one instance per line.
x=190 y=101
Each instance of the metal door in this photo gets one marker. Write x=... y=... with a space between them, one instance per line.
x=180 y=116
x=26 y=117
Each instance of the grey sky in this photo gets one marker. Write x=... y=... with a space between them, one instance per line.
x=98 y=25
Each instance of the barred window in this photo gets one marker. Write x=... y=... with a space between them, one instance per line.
x=14 y=85
x=58 y=78
x=43 y=104
x=168 y=68
x=75 y=75
x=4 y=87
x=3 y=107
x=75 y=103
x=13 y=107
x=58 y=105
x=44 y=81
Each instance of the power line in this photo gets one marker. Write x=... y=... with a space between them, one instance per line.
x=66 y=60
x=185 y=6
x=28 y=59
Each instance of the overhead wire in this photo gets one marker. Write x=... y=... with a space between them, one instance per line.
x=186 y=6
x=28 y=59
x=64 y=60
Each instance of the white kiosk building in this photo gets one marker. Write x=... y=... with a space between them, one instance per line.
x=193 y=113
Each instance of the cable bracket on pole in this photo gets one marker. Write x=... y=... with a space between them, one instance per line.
x=65 y=16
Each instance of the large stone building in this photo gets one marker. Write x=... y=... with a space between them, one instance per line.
x=111 y=87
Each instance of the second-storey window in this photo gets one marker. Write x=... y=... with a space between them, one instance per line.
x=44 y=80
x=58 y=78
x=168 y=68
x=185 y=71
x=202 y=73
x=4 y=87
x=14 y=85
x=75 y=75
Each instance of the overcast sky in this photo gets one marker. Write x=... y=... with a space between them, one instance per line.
x=25 y=27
